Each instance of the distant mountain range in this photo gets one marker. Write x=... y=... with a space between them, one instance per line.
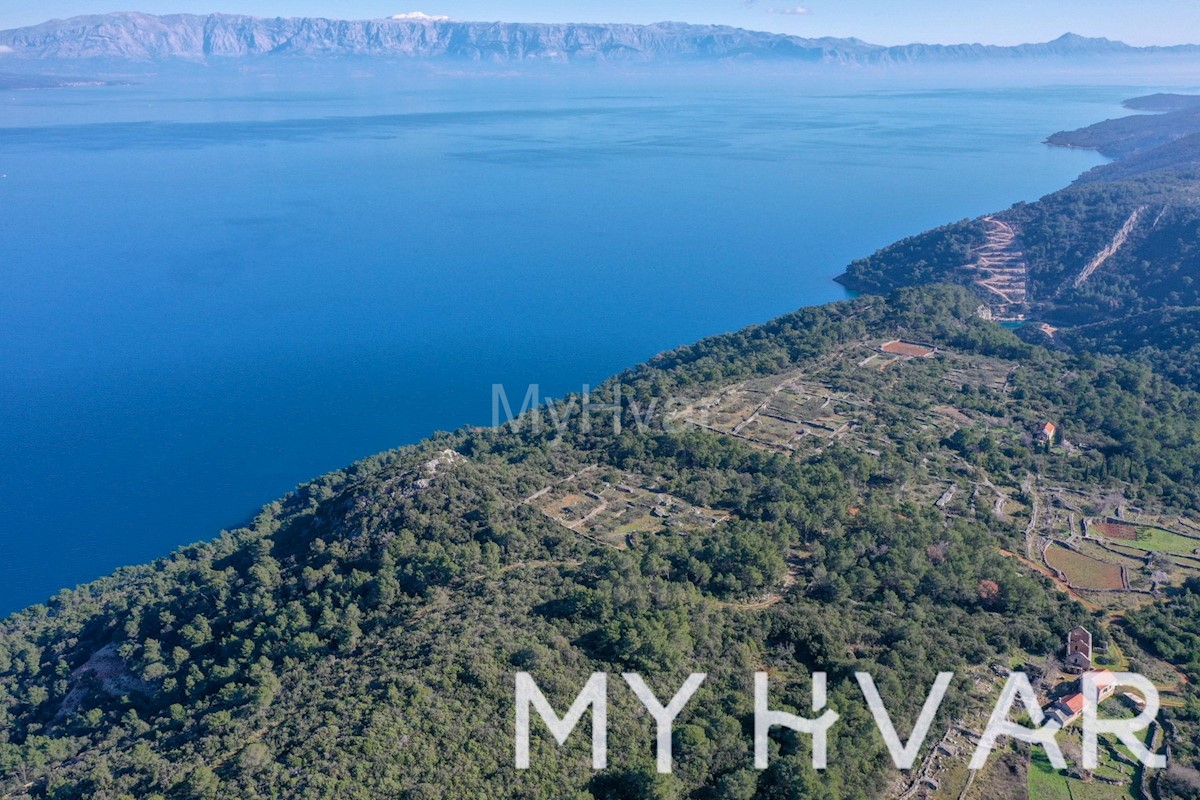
x=144 y=37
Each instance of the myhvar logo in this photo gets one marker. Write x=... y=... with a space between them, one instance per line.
x=594 y=696
x=621 y=410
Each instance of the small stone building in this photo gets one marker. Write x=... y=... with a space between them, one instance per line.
x=1079 y=651
x=1048 y=433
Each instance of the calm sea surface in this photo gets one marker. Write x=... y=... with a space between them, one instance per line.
x=214 y=289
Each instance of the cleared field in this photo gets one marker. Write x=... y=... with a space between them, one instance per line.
x=647 y=524
x=1114 y=530
x=1127 y=549
x=878 y=362
x=907 y=349
x=1045 y=783
x=1184 y=569
x=1004 y=778
x=1084 y=572
x=1121 y=556
x=1158 y=540
x=1146 y=537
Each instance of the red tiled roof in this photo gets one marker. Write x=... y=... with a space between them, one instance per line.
x=1074 y=703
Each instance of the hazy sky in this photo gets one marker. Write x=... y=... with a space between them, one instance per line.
x=881 y=21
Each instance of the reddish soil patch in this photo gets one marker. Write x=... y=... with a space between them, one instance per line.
x=901 y=348
x=1114 y=530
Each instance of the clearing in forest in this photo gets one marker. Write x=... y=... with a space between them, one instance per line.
x=1085 y=572
x=999 y=266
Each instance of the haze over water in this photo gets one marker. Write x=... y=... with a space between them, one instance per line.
x=215 y=289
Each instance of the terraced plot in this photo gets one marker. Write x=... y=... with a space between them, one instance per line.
x=1153 y=539
x=1159 y=540
x=777 y=415
x=616 y=510
x=899 y=347
x=1114 y=530
x=1046 y=783
x=1085 y=572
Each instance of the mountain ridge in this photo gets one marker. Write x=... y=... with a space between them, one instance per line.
x=134 y=36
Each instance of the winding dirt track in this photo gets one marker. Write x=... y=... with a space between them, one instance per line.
x=1000 y=266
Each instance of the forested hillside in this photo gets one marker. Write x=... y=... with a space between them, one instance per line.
x=360 y=639
x=1120 y=241
x=894 y=484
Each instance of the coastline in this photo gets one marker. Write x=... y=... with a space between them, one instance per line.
x=846 y=290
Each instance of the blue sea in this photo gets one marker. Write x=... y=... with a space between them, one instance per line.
x=218 y=286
